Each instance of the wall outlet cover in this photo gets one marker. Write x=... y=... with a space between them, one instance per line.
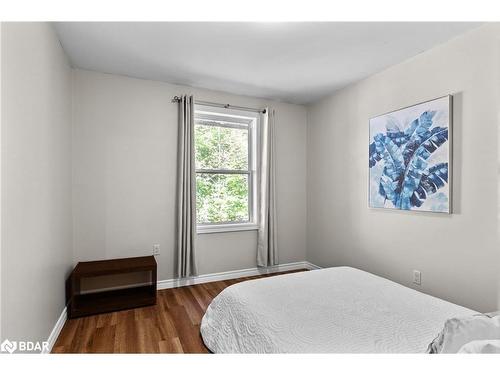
x=156 y=249
x=417 y=277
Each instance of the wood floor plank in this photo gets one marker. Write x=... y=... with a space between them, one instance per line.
x=189 y=303
x=201 y=295
x=177 y=346
x=170 y=298
x=103 y=340
x=188 y=333
x=220 y=285
x=211 y=289
x=148 y=337
x=84 y=335
x=171 y=346
x=67 y=334
x=171 y=326
x=58 y=350
x=119 y=345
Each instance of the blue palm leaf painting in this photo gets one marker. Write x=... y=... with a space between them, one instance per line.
x=409 y=158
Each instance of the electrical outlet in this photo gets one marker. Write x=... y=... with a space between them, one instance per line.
x=417 y=277
x=156 y=249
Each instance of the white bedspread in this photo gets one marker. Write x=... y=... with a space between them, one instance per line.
x=332 y=310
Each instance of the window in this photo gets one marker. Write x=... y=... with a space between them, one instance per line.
x=225 y=149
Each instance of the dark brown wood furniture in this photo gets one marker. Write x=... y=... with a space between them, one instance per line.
x=112 y=300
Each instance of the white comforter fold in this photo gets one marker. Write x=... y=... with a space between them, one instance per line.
x=332 y=310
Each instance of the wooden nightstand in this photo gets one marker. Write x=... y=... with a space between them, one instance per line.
x=117 y=299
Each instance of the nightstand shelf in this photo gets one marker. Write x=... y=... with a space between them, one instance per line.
x=124 y=297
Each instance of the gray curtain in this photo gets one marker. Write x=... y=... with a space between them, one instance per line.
x=267 y=246
x=186 y=190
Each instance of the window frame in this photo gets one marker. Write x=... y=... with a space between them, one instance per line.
x=239 y=120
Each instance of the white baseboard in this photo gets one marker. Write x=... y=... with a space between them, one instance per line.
x=174 y=283
x=56 y=331
x=312 y=266
x=219 y=276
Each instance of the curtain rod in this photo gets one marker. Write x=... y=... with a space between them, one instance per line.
x=177 y=99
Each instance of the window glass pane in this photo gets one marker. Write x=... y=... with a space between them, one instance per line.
x=221 y=148
x=221 y=198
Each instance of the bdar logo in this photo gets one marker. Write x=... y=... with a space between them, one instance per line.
x=8 y=346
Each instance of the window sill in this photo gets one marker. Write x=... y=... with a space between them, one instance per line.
x=202 y=229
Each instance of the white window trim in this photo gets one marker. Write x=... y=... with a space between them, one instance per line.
x=219 y=228
x=253 y=122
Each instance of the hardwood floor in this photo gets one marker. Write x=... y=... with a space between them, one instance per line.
x=171 y=326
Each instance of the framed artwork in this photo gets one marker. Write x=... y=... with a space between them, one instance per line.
x=410 y=158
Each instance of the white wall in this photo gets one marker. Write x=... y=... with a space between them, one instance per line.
x=459 y=255
x=36 y=179
x=124 y=170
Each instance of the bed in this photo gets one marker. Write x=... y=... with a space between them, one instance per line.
x=332 y=310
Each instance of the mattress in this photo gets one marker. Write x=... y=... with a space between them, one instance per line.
x=332 y=310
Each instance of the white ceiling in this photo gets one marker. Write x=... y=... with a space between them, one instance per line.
x=291 y=62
